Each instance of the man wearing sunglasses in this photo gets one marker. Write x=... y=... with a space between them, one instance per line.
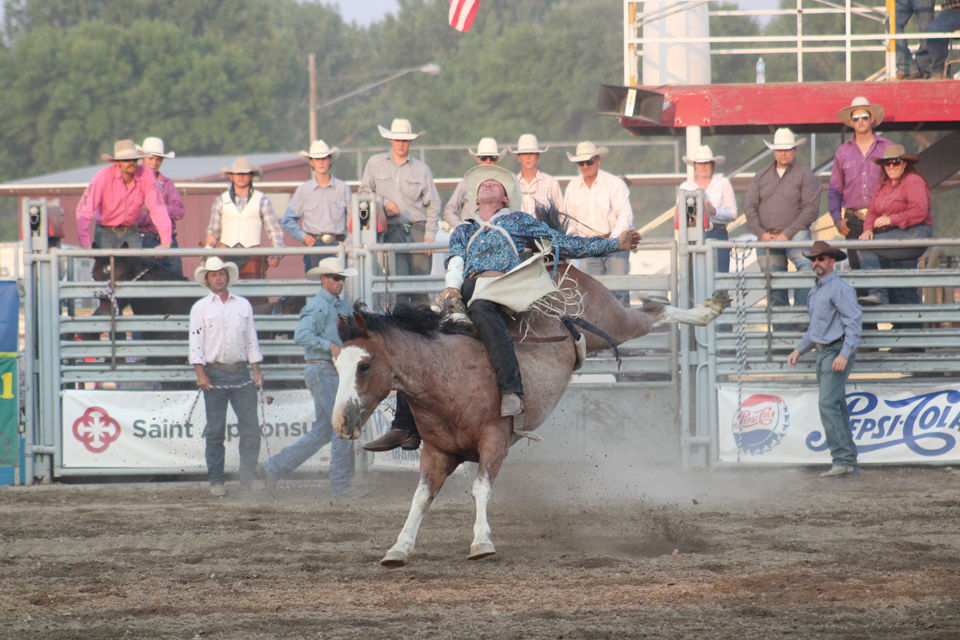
x=855 y=175
x=597 y=204
x=834 y=332
x=459 y=208
x=317 y=333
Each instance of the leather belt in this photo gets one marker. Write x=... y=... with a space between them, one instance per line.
x=120 y=228
x=327 y=238
x=823 y=347
x=859 y=213
x=227 y=366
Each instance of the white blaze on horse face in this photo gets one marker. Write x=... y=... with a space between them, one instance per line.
x=347 y=409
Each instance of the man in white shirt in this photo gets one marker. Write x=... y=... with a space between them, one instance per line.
x=535 y=185
x=223 y=341
x=598 y=206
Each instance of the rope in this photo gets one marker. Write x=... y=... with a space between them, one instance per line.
x=740 y=253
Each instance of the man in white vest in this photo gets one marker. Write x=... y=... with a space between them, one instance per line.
x=238 y=217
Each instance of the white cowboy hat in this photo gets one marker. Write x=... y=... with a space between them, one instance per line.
x=213 y=263
x=483 y=172
x=400 y=129
x=861 y=104
x=122 y=150
x=330 y=267
x=528 y=144
x=587 y=150
x=241 y=165
x=154 y=147
x=703 y=153
x=320 y=149
x=784 y=140
x=486 y=147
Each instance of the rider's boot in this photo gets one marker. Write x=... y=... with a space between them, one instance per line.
x=403 y=430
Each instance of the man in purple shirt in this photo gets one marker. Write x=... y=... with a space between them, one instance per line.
x=114 y=198
x=855 y=175
x=154 y=154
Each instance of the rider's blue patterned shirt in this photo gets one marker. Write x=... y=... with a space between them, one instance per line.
x=491 y=251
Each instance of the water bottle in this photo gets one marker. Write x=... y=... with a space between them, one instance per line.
x=761 y=71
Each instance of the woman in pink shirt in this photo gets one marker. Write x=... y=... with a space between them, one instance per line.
x=900 y=210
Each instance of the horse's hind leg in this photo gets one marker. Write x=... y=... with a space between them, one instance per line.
x=434 y=469
x=492 y=454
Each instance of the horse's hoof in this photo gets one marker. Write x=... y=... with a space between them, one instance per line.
x=481 y=550
x=394 y=559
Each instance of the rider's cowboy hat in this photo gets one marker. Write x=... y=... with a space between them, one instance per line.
x=784 y=140
x=154 y=147
x=821 y=248
x=861 y=104
x=241 y=165
x=122 y=150
x=895 y=152
x=320 y=149
x=587 y=150
x=702 y=153
x=400 y=129
x=487 y=147
x=330 y=267
x=213 y=263
x=528 y=144
x=483 y=172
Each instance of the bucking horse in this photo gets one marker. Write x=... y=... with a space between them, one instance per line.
x=450 y=385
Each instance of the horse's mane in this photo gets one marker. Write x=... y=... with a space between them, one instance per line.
x=550 y=215
x=415 y=318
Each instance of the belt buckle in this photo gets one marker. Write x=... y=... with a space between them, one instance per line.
x=327 y=238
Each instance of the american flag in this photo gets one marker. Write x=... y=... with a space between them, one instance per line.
x=462 y=13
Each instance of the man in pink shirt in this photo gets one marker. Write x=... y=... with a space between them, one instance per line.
x=113 y=200
x=154 y=154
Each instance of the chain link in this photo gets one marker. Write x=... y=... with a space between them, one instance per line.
x=740 y=253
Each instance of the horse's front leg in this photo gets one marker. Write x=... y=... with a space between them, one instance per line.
x=493 y=450
x=434 y=469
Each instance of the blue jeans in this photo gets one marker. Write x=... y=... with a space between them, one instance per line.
x=614 y=264
x=312 y=260
x=171 y=264
x=906 y=9
x=322 y=381
x=776 y=260
x=723 y=255
x=896 y=258
x=107 y=238
x=833 y=406
x=243 y=399
x=932 y=54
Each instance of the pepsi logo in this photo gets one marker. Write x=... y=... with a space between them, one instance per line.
x=760 y=423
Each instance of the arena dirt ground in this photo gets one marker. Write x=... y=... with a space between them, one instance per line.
x=582 y=552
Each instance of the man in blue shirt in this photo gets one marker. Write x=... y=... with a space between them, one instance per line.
x=834 y=332
x=317 y=333
x=484 y=248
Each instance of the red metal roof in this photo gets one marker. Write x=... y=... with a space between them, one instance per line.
x=808 y=107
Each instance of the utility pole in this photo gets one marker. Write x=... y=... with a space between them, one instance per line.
x=312 y=70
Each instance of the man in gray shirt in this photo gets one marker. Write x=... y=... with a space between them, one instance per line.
x=407 y=199
x=782 y=202
x=318 y=210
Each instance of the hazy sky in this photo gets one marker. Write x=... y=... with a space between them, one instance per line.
x=364 y=12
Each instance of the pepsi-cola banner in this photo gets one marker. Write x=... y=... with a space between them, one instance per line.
x=9 y=408
x=890 y=424
x=129 y=430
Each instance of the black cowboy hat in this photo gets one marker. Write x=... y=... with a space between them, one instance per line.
x=821 y=248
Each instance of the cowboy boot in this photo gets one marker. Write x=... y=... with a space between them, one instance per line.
x=394 y=438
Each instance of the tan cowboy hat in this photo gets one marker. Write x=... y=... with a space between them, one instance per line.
x=861 y=104
x=213 y=263
x=400 y=129
x=154 y=147
x=895 y=152
x=587 y=150
x=528 y=144
x=320 y=149
x=122 y=150
x=330 y=267
x=241 y=165
x=486 y=147
x=483 y=172
x=784 y=140
x=703 y=153
x=821 y=248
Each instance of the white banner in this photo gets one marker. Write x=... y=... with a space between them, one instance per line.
x=890 y=424
x=130 y=430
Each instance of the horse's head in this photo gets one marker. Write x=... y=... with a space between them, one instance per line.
x=365 y=376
